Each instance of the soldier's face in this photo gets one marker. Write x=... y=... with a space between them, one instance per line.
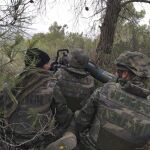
x=124 y=74
x=46 y=66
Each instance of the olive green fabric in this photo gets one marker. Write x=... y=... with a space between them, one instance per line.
x=117 y=115
x=137 y=62
x=77 y=61
x=117 y=119
x=75 y=87
x=36 y=121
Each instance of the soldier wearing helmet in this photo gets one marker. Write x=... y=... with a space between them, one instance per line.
x=134 y=66
x=74 y=87
x=117 y=115
x=74 y=82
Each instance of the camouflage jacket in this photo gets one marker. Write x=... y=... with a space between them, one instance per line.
x=75 y=87
x=115 y=119
x=36 y=113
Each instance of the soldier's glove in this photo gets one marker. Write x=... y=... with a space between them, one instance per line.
x=67 y=142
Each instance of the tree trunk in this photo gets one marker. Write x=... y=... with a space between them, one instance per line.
x=109 y=25
x=134 y=42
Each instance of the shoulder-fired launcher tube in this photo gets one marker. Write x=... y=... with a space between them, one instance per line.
x=99 y=73
x=104 y=76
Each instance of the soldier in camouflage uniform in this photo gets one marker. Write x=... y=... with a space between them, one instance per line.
x=33 y=116
x=117 y=116
x=75 y=84
x=64 y=59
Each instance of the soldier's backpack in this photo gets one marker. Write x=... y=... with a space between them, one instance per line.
x=124 y=119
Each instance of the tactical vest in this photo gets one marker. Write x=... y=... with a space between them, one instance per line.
x=32 y=115
x=122 y=120
x=33 y=111
x=75 y=88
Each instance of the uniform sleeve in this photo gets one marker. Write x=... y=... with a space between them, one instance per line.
x=62 y=113
x=86 y=115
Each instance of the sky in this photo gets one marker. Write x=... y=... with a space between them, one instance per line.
x=63 y=14
x=140 y=6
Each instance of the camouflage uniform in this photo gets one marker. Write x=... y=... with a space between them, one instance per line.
x=75 y=84
x=34 y=117
x=117 y=115
x=137 y=63
x=64 y=59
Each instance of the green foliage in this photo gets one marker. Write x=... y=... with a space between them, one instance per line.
x=11 y=53
x=31 y=43
x=58 y=38
x=9 y=49
x=133 y=38
x=129 y=36
x=129 y=14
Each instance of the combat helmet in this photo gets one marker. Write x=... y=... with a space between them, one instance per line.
x=78 y=60
x=136 y=62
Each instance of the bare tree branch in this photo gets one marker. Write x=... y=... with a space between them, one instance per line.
x=7 y=137
x=131 y=1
